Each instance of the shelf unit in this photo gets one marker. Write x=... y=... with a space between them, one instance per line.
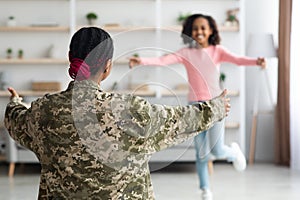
x=26 y=93
x=150 y=24
x=34 y=37
x=151 y=28
x=35 y=28
x=220 y=28
x=34 y=61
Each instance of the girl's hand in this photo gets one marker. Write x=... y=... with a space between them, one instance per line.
x=261 y=62
x=133 y=61
x=13 y=92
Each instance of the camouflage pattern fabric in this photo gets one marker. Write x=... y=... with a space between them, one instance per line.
x=96 y=145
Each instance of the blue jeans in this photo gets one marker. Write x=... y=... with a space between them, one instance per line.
x=210 y=145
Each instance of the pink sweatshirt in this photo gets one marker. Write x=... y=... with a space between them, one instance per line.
x=200 y=65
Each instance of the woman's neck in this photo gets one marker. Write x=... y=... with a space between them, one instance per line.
x=95 y=79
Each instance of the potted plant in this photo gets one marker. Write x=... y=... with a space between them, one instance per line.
x=232 y=19
x=8 y=53
x=11 y=21
x=136 y=55
x=91 y=17
x=20 y=53
x=182 y=17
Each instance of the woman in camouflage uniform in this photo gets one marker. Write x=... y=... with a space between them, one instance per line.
x=94 y=144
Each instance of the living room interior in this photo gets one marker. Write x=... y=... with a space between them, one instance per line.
x=263 y=119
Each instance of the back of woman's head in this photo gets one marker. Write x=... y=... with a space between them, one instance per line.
x=89 y=50
x=186 y=34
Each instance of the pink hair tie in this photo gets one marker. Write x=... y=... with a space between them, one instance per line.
x=79 y=69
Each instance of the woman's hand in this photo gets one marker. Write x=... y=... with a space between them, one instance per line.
x=133 y=61
x=226 y=101
x=261 y=62
x=13 y=92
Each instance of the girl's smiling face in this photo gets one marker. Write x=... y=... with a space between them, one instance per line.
x=201 y=31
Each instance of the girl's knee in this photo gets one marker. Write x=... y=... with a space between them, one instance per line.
x=217 y=152
x=201 y=158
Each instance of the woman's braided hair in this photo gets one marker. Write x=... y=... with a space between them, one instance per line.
x=92 y=45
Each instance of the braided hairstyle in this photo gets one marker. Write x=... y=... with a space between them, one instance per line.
x=186 y=34
x=92 y=46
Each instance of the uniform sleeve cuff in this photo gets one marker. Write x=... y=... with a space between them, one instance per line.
x=16 y=99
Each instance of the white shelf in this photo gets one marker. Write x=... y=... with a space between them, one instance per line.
x=35 y=29
x=232 y=125
x=122 y=61
x=33 y=61
x=231 y=93
x=148 y=93
x=221 y=28
x=145 y=28
x=122 y=28
x=28 y=93
x=145 y=93
x=166 y=93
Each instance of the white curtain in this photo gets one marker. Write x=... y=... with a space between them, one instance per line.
x=294 y=83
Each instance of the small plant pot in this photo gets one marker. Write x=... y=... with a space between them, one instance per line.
x=92 y=21
x=9 y=53
x=222 y=85
x=11 y=22
x=91 y=18
x=20 y=54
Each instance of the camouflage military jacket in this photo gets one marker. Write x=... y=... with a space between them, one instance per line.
x=96 y=145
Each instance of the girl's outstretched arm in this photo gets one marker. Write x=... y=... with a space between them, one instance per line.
x=164 y=60
x=227 y=56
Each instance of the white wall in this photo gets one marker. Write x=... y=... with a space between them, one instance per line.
x=262 y=17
